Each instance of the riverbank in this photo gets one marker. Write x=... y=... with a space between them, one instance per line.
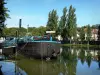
x=81 y=45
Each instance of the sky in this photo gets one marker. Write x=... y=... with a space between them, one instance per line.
x=35 y=12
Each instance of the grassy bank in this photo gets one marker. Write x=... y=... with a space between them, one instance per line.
x=81 y=45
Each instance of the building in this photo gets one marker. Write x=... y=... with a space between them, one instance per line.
x=94 y=35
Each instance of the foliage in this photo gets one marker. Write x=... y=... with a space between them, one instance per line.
x=62 y=24
x=99 y=32
x=88 y=33
x=82 y=34
x=71 y=23
x=3 y=16
x=52 y=23
x=23 y=31
x=67 y=25
x=10 y=31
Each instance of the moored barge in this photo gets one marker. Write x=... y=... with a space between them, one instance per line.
x=39 y=48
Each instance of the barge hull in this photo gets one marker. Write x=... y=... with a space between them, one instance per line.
x=39 y=49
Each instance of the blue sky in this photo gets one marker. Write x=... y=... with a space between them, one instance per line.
x=35 y=12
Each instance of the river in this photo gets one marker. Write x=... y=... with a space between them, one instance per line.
x=72 y=61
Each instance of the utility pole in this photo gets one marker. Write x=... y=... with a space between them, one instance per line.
x=27 y=27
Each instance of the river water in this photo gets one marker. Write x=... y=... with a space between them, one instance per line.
x=72 y=61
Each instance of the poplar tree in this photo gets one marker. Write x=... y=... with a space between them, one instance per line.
x=82 y=34
x=62 y=24
x=52 y=24
x=88 y=32
x=52 y=21
x=71 y=23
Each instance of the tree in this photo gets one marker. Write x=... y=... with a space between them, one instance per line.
x=42 y=30
x=99 y=32
x=52 y=23
x=88 y=32
x=62 y=24
x=3 y=16
x=67 y=25
x=82 y=34
x=33 y=31
x=71 y=23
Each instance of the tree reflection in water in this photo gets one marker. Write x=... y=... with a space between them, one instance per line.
x=82 y=55
x=69 y=61
x=88 y=58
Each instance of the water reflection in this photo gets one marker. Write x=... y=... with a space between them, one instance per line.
x=72 y=61
x=70 y=58
x=88 y=58
x=99 y=59
x=9 y=68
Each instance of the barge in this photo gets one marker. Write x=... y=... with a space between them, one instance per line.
x=39 y=48
x=32 y=46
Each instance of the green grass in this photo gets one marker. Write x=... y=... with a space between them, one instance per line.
x=81 y=45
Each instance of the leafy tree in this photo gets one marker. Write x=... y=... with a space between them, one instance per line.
x=37 y=31
x=67 y=25
x=10 y=31
x=99 y=32
x=33 y=31
x=88 y=33
x=3 y=16
x=52 y=23
x=62 y=24
x=82 y=34
x=23 y=31
x=95 y=26
x=71 y=23
x=42 y=30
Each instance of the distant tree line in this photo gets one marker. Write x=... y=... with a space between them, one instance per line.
x=32 y=31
